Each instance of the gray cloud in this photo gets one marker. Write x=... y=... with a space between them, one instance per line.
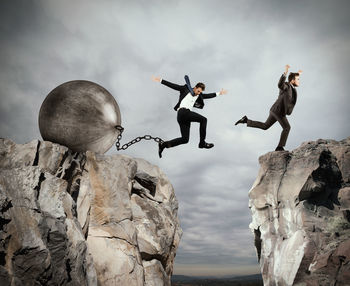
x=239 y=45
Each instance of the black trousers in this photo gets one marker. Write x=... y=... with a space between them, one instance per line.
x=269 y=122
x=184 y=118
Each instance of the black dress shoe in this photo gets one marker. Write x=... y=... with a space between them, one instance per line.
x=161 y=146
x=244 y=119
x=205 y=145
x=279 y=148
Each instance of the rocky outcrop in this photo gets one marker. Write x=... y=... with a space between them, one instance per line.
x=300 y=204
x=84 y=219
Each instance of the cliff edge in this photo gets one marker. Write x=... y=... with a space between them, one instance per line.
x=300 y=204
x=84 y=219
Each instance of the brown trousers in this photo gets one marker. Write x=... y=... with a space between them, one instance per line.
x=269 y=122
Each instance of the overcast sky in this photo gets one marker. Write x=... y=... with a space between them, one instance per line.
x=241 y=46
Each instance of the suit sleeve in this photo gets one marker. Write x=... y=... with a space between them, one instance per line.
x=282 y=82
x=172 y=85
x=208 y=95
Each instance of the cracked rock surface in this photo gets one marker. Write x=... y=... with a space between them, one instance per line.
x=84 y=219
x=300 y=204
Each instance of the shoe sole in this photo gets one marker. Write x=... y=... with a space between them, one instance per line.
x=241 y=121
x=206 y=147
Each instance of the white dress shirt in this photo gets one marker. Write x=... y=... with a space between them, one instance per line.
x=188 y=101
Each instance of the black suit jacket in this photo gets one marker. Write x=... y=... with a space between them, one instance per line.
x=184 y=91
x=286 y=100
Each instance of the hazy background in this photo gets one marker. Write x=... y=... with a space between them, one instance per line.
x=241 y=46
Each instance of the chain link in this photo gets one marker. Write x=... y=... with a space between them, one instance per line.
x=136 y=140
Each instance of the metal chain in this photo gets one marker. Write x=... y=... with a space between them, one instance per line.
x=136 y=140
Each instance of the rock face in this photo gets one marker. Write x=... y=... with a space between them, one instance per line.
x=300 y=204
x=84 y=219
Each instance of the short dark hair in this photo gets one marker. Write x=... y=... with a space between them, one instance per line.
x=292 y=76
x=201 y=85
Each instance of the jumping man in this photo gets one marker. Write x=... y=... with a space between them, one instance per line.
x=281 y=108
x=188 y=99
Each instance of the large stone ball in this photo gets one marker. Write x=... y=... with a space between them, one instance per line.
x=81 y=115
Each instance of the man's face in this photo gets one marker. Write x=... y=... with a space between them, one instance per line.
x=295 y=81
x=197 y=90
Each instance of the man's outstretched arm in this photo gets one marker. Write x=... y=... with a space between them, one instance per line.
x=167 y=83
x=211 y=95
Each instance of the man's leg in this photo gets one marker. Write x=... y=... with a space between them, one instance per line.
x=185 y=136
x=284 y=134
x=195 y=117
x=184 y=120
x=185 y=125
x=262 y=125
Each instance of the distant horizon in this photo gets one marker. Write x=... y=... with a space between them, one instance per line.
x=215 y=270
x=218 y=276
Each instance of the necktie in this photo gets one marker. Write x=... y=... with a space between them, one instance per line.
x=187 y=80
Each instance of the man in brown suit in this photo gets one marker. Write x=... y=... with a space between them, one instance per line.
x=283 y=106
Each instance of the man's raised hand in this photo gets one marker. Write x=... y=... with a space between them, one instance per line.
x=287 y=68
x=300 y=71
x=156 y=78
x=223 y=91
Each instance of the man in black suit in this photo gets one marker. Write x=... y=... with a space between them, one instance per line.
x=188 y=99
x=281 y=108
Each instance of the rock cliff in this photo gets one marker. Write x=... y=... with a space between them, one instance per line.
x=84 y=219
x=300 y=204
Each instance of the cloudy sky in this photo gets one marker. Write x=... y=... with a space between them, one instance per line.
x=241 y=46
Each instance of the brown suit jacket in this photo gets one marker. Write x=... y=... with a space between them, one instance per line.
x=286 y=100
